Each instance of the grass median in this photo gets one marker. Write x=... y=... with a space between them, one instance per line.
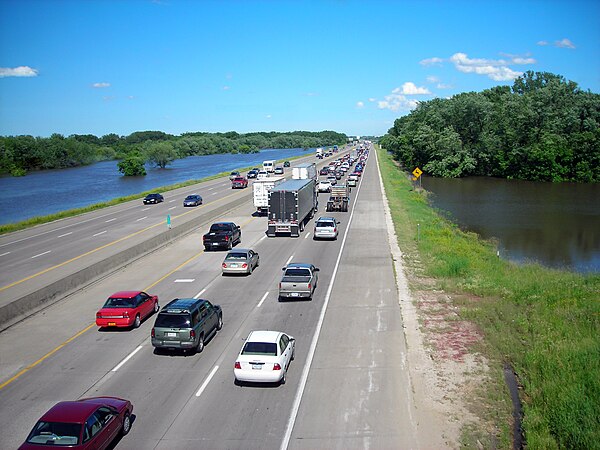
x=545 y=323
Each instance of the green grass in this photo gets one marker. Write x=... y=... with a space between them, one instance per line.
x=544 y=322
x=10 y=227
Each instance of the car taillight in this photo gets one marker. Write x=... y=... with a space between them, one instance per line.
x=335 y=230
x=226 y=238
x=152 y=333
x=244 y=265
x=238 y=365
x=224 y=265
x=279 y=285
x=193 y=334
x=309 y=286
x=276 y=366
x=98 y=315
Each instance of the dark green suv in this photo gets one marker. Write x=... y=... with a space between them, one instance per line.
x=185 y=324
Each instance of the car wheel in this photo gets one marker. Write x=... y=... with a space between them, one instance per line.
x=220 y=323
x=200 y=345
x=293 y=354
x=250 y=269
x=284 y=377
x=230 y=245
x=137 y=322
x=156 y=307
x=126 y=424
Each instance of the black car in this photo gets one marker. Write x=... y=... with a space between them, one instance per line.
x=286 y=164
x=324 y=171
x=192 y=200
x=252 y=173
x=153 y=198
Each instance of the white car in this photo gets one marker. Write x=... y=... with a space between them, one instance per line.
x=265 y=357
x=326 y=228
x=262 y=174
x=324 y=186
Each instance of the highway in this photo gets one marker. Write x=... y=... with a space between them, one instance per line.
x=348 y=386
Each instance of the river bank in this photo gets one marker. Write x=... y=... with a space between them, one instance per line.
x=478 y=313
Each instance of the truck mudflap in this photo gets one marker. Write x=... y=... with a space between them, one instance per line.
x=293 y=229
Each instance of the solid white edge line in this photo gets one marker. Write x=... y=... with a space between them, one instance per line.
x=263 y=299
x=199 y=293
x=210 y=375
x=118 y=366
x=289 y=260
x=313 y=345
x=41 y=254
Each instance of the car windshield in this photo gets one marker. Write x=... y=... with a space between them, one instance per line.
x=237 y=256
x=119 y=303
x=297 y=273
x=173 y=321
x=260 y=348
x=55 y=433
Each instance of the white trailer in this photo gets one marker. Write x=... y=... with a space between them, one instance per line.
x=306 y=171
x=260 y=190
x=269 y=166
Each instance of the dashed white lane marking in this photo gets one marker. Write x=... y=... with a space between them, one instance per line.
x=210 y=189
x=185 y=280
x=171 y=201
x=141 y=218
x=45 y=253
x=146 y=209
x=197 y=296
x=4 y=254
x=172 y=207
x=262 y=238
x=66 y=234
x=210 y=375
x=289 y=260
x=262 y=299
x=307 y=235
x=110 y=220
x=118 y=366
x=98 y=234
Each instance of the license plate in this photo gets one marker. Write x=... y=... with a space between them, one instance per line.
x=171 y=334
x=232 y=265
x=294 y=294
x=112 y=324
x=256 y=366
x=215 y=243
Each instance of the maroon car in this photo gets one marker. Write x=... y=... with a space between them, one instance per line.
x=127 y=309
x=89 y=423
x=239 y=183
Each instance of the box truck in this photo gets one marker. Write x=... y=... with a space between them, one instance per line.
x=260 y=191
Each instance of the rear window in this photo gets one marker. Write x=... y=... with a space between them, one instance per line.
x=55 y=434
x=297 y=273
x=260 y=348
x=219 y=227
x=236 y=256
x=324 y=224
x=166 y=320
x=119 y=303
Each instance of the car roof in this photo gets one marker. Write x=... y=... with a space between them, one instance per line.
x=125 y=294
x=72 y=411
x=264 y=336
x=239 y=250
x=180 y=305
x=326 y=218
x=298 y=266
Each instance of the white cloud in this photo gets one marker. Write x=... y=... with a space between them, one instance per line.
x=431 y=61
x=564 y=43
x=311 y=94
x=494 y=69
x=21 y=71
x=130 y=97
x=101 y=85
x=226 y=88
x=444 y=86
x=372 y=99
x=394 y=102
x=268 y=116
x=521 y=60
x=432 y=79
x=409 y=88
x=542 y=43
x=359 y=104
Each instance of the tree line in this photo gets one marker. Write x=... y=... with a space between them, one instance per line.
x=543 y=128
x=22 y=154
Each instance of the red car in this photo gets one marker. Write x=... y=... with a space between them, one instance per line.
x=89 y=423
x=239 y=183
x=127 y=309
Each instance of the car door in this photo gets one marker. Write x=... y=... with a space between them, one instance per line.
x=285 y=348
x=252 y=259
x=109 y=419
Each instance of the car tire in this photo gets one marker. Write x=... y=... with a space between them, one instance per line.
x=200 y=345
x=283 y=379
x=126 y=424
x=156 y=307
x=220 y=323
x=230 y=245
x=250 y=269
x=137 y=322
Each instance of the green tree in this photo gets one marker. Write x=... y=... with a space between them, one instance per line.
x=132 y=166
x=160 y=153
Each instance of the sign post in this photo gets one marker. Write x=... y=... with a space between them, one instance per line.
x=169 y=221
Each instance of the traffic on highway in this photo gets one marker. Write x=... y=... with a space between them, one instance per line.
x=223 y=363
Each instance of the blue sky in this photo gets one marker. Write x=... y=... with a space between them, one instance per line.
x=103 y=67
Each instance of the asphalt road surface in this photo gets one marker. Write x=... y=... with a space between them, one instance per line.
x=348 y=386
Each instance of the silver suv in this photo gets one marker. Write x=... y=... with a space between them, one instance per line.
x=326 y=228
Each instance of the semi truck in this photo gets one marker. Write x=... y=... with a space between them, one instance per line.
x=339 y=197
x=291 y=204
x=260 y=191
x=306 y=171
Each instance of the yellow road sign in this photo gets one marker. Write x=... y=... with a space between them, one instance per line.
x=417 y=173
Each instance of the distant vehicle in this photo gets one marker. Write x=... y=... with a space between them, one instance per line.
x=332 y=180
x=222 y=234
x=88 y=423
x=278 y=170
x=234 y=174
x=126 y=309
x=339 y=198
x=351 y=182
x=260 y=192
x=319 y=153
x=326 y=228
x=262 y=174
x=192 y=200
x=239 y=183
x=185 y=324
x=306 y=171
x=240 y=260
x=324 y=186
x=153 y=199
x=269 y=166
x=265 y=357
x=286 y=164
x=324 y=171
x=291 y=204
x=252 y=173
x=299 y=281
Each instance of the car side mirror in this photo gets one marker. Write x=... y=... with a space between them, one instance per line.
x=337 y=222
x=283 y=268
x=292 y=339
x=316 y=269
